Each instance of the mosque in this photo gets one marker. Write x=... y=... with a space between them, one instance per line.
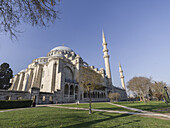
x=55 y=79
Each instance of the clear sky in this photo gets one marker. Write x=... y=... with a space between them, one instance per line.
x=137 y=33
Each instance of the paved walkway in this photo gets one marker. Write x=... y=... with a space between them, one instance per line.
x=133 y=109
x=144 y=113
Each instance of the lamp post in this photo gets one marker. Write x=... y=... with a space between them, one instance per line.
x=166 y=95
x=89 y=97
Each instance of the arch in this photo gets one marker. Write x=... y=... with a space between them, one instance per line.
x=19 y=98
x=68 y=73
x=50 y=98
x=76 y=89
x=66 y=89
x=93 y=95
x=8 y=98
x=71 y=90
x=98 y=95
x=104 y=95
x=85 y=95
x=43 y=98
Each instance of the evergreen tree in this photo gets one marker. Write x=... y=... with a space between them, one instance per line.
x=5 y=76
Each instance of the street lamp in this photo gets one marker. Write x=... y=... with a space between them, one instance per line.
x=89 y=97
x=166 y=95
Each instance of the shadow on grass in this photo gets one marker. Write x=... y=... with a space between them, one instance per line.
x=159 y=107
x=89 y=123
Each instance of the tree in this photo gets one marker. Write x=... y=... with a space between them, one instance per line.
x=35 y=12
x=114 y=96
x=157 y=89
x=90 y=80
x=140 y=85
x=5 y=76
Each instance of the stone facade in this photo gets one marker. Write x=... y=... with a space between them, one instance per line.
x=54 y=78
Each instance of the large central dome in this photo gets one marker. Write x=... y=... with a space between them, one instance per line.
x=62 y=48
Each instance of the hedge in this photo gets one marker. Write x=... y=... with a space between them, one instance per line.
x=5 y=104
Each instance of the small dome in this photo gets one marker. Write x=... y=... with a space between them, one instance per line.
x=24 y=70
x=57 y=55
x=62 y=48
x=43 y=57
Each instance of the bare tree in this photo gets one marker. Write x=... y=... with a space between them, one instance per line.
x=140 y=85
x=157 y=89
x=35 y=12
x=89 y=81
x=114 y=96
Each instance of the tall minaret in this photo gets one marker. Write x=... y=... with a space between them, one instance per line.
x=106 y=58
x=122 y=77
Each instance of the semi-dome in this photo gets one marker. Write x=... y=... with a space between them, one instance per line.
x=62 y=48
x=24 y=70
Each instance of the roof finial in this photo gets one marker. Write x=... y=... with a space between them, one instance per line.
x=119 y=64
x=104 y=40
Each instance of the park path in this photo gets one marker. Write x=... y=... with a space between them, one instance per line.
x=142 y=113
x=133 y=109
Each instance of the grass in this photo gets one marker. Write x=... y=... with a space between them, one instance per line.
x=103 y=106
x=154 y=106
x=65 y=118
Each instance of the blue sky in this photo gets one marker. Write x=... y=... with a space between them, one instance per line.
x=137 y=33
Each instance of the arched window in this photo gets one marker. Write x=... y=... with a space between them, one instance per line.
x=85 y=95
x=50 y=98
x=71 y=90
x=66 y=89
x=96 y=96
x=93 y=96
x=76 y=89
x=68 y=73
x=19 y=98
x=8 y=98
x=104 y=95
x=43 y=98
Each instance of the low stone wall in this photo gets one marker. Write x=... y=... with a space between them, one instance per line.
x=14 y=95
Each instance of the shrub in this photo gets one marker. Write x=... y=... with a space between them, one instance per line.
x=5 y=104
x=114 y=96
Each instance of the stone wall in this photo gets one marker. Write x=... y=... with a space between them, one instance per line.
x=14 y=95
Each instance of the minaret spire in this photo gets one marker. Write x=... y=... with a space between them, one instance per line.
x=106 y=58
x=121 y=76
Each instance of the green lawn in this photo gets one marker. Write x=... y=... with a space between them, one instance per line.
x=64 y=118
x=154 y=106
x=103 y=106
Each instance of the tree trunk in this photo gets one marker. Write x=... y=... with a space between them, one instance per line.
x=144 y=100
x=90 y=112
x=141 y=98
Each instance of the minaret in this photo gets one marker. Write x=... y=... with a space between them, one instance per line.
x=106 y=58
x=122 y=77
